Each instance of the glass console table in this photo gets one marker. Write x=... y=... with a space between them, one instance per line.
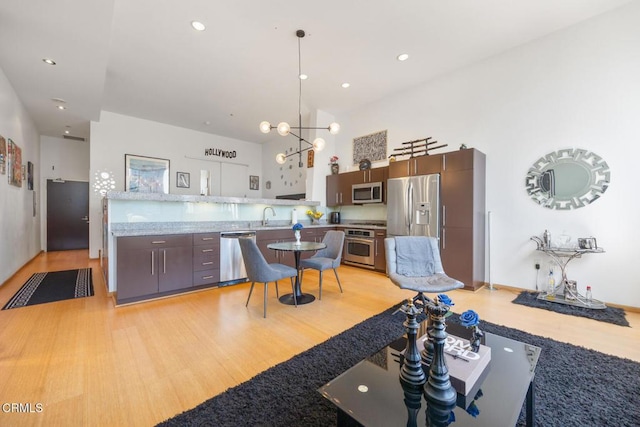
x=566 y=292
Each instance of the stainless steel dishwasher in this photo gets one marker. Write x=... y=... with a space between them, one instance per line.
x=232 y=269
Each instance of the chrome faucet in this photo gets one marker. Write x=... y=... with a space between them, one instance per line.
x=265 y=221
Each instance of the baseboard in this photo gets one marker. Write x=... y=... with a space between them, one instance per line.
x=23 y=266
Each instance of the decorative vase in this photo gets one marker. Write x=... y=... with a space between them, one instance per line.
x=335 y=168
x=297 y=234
x=315 y=221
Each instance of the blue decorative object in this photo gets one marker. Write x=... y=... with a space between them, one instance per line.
x=297 y=226
x=444 y=299
x=470 y=319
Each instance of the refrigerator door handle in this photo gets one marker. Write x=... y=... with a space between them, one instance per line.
x=410 y=206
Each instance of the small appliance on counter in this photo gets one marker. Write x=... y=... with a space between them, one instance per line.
x=334 y=218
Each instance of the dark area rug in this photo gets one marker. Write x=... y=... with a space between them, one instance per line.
x=610 y=314
x=574 y=386
x=53 y=286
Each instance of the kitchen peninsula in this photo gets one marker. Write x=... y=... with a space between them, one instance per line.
x=179 y=236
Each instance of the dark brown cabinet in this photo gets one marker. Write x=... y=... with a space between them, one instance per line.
x=339 y=186
x=153 y=265
x=380 y=261
x=339 y=189
x=462 y=237
x=421 y=165
x=206 y=258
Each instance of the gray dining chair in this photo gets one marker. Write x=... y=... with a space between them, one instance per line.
x=413 y=262
x=326 y=258
x=259 y=270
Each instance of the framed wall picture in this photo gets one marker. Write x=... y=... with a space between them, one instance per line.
x=371 y=147
x=3 y=155
x=254 y=182
x=29 y=176
x=14 y=164
x=310 y=158
x=146 y=174
x=183 y=179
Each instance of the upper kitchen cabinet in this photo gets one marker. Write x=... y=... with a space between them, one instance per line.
x=421 y=165
x=339 y=186
x=370 y=175
x=339 y=189
x=462 y=238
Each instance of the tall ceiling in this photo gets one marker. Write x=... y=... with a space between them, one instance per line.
x=142 y=58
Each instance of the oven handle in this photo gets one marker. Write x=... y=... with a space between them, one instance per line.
x=359 y=240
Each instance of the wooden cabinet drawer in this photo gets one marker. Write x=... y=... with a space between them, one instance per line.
x=158 y=241
x=206 y=239
x=275 y=234
x=206 y=277
x=205 y=258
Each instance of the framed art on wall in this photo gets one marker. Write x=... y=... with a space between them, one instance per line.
x=254 y=182
x=183 y=179
x=14 y=164
x=310 y=158
x=3 y=155
x=371 y=147
x=146 y=174
x=29 y=176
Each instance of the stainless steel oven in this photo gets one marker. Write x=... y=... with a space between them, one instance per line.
x=359 y=247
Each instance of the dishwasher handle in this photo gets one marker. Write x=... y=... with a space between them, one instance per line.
x=236 y=234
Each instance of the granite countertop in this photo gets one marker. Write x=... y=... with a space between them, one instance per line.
x=157 y=228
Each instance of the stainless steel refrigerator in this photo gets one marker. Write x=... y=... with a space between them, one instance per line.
x=413 y=206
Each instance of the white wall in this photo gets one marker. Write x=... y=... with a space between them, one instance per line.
x=19 y=228
x=575 y=88
x=116 y=135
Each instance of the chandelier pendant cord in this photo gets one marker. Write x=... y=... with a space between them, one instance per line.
x=300 y=139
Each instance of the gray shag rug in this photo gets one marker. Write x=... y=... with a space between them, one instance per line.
x=574 y=386
x=610 y=314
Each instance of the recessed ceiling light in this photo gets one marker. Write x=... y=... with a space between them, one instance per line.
x=66 y=132
x=49 y=61
x=61 y=107
x=346 y=85
x=303 y=77
x=403 y=57
x=207 y=122
x=198 y=26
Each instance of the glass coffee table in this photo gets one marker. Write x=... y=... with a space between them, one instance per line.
x=370 y=393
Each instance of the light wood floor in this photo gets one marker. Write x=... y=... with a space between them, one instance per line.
x=88 y=362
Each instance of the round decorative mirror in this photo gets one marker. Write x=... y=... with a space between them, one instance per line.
x=568 y=179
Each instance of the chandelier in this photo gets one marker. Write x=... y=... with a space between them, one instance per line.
x=284 y=128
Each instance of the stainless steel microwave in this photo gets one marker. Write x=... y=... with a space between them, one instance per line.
x=371 y=192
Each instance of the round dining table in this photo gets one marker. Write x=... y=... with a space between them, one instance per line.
x=297 y=249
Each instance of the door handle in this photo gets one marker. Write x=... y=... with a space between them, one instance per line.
x=84 y=218
x=152 y=264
